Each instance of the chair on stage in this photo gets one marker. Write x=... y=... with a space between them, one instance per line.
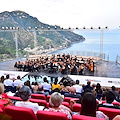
x=110 y=112
x=48 y=115
x=20 y=113
x=83 y=117
x=38 y=96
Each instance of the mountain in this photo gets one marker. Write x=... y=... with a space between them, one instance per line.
x=46 y=40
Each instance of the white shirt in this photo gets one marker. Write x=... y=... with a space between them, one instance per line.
x=33 y=106
x=16 y=82
x=8 y=82
x=78 y=88
x=46 y=86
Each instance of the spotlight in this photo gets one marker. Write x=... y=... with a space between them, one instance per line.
x=106 y=27
x=3 y=28
x=42 y=28
x=14 y=28
x=83 y=27
x=10 y=28
x=6 y=28
x=99 y=27
x=55 y=27
x=35 y=28
x=91 y=28
x=62 y=28
x=48 y=28
x=17 y=28
x=76 y=27
x=29 y=28
x=69 y=28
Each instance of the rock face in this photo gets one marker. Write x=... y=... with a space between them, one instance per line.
x=44 y=39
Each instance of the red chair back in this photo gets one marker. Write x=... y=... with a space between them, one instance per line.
x=47 y=115
x=15 y=98
x=67 y=99
x=114 y=103
x=66 y=104
x=38 y=96
x=83 y=117
x=110 y=112
x=40 y=102
x=20 y=113
x=76 y=107
x=48 y=97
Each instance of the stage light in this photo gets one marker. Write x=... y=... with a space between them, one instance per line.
x=6 y=28
x=106 y=27
x=91 y=28
x=17 y=28
x=3 y=28
x=10 y=28
x=42 y=28
x=55 y=27
x=76 y=27
x=29 y=28
x=99 y=27
x=83 y=27
x=35 y=28
x=48 y=28
x=69 y=28
x=14 y=28
x=62 y=28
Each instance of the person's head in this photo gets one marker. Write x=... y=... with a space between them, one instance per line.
x=77 y=82
x=25 y=93
x=1 y=88
x=98 y=86
x=19 y=86
x=113 y=88
x=45 y=79
x=88 y=83
x=65 y=83
x=56 y=99
x=56 y=80
x=7 y=76
x=110 y=97
x=18 y=77
x=2 y=79
x=89 y=105
x=72 y=90
x=40 y=88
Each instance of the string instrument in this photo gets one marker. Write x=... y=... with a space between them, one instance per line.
x=91 y=67
x=70 y=69
x=79 y=69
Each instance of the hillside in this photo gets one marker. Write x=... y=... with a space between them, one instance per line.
x=45 y=39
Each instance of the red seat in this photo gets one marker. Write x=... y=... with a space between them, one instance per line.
x=76 y=107
x=66 y=104
x=15 y=98
x=48 y=97
x=40 y=102
x=67 y=99
x=20 y=113
x=38 y=96
x=110 y=112
x=83 y=117
x=47 y=115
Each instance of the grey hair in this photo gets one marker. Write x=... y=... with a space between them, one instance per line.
x=1 y=88
x=56 y=99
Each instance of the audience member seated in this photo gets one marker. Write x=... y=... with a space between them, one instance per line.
x=35 y=87
x=4 y=97
x=98 y=88
x=2 y=79
x=55 y=103
x=18 y=81
x=25 y=94
x=8 y=83
x=27 y=83
x=17 y=94
x=65 y=88
x=115 y=92
x=110 y=97
x=55 y=85
x=73 y=94
x=78 y=88
x=41 y=91
x=89 y=105
x=88 y=88
x=46 y=85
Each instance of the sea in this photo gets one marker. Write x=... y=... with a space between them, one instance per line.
x=105 y=40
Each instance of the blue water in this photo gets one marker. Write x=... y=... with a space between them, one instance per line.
x=111 y=42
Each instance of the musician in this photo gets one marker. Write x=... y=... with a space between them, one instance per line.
x=81 y=68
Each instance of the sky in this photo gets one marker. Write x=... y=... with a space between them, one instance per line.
x=69 y=13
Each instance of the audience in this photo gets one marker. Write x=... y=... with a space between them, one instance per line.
x=109 y=98
x=18 y=81
x=8 y=81
x=55 y=102
x=25 y=94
